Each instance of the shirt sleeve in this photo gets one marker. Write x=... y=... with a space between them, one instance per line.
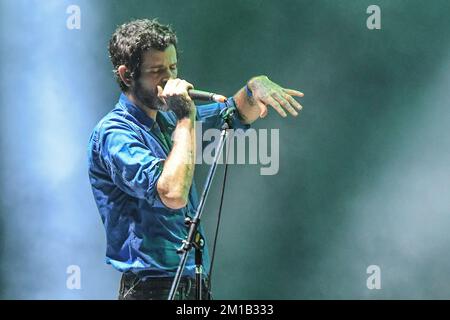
x=131 y=164
x=210 y=116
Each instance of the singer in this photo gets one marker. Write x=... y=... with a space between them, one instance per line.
x=142 y=180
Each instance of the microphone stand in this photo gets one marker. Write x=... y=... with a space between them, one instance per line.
x=194 y=238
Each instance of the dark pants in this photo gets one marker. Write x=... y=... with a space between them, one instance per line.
x=133 y=288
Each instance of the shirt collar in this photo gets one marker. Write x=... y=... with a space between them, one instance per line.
x=162 y=117
x=135 y=111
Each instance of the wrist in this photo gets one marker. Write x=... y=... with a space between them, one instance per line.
x=248 y=91
x=182 y=107
x=186 y=122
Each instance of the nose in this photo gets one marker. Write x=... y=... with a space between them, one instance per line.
x=169 y=74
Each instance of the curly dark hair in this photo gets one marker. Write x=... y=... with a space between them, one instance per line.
x=132 y=39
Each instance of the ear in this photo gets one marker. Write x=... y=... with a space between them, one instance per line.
x=124 y=75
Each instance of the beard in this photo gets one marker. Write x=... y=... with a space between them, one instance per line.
x=148 y=97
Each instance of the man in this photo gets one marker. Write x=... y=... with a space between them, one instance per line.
x=142 y=181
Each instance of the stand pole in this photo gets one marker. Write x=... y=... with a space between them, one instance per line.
x=194 y=239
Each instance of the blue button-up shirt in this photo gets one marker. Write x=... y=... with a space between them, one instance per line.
x=126 y=157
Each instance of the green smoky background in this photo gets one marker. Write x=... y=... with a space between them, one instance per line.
x=364 y=170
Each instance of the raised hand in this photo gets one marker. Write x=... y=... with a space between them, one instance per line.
x=265 y=93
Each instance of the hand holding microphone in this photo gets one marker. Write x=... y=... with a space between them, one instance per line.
x=175 y=96
x=178 y=95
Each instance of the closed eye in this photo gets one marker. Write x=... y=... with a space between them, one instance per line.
x=161 y=70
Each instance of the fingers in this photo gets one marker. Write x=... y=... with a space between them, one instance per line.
x=277 y=106
x=293 y=102
x=160 y=94
x=285 y=104
x=266 y=93
x=294 y=92
x=176 y=87
x=187 y=85
x=169 y=88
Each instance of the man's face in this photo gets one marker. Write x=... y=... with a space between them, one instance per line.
x=156 y=69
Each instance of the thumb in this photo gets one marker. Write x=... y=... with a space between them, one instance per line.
x=263 y=109
x=160 y=90
x=160 y=94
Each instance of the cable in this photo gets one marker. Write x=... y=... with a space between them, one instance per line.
x=219 y=214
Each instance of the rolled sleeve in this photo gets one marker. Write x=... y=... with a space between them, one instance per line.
x=237 y=120
x=210 y=116
x=131 y=164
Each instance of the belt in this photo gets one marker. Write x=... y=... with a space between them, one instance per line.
x=187 y=285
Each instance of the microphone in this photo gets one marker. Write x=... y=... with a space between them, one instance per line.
x=206 y=96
